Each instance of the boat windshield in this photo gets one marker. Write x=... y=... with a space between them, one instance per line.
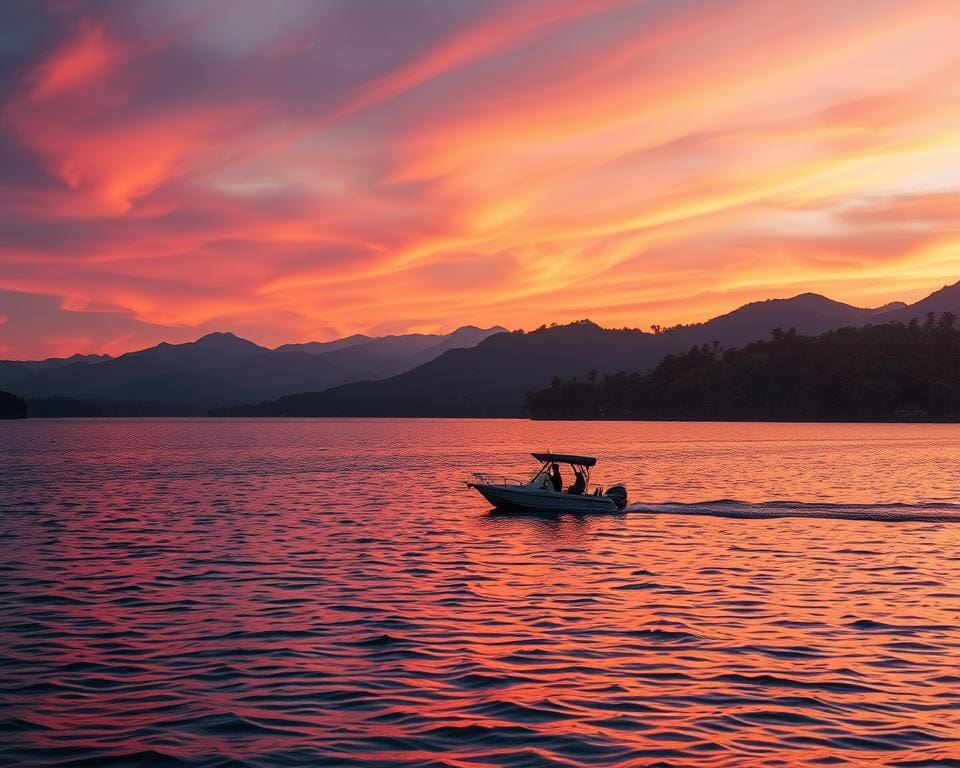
x=571 y=469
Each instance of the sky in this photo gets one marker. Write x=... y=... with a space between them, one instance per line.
x=307 y=169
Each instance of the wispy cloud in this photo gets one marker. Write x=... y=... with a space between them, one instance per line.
x=348 y=166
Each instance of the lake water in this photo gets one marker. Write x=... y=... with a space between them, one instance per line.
x=328 y=592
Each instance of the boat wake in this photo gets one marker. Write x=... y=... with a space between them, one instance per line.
x=901 y=513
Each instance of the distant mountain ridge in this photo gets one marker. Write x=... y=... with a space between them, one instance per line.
x=321 y=347
x=809 y=313
x=221 y=369
x=469 y=372
x=58 y=362
x=491 y=378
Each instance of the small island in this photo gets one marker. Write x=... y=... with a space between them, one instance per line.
x=11 y=406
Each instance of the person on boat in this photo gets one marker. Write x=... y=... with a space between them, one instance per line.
x=555 y=477
x=579 y=484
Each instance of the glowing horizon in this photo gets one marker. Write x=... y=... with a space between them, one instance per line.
x=301 y=171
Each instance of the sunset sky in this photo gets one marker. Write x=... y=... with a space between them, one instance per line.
x=301 y=169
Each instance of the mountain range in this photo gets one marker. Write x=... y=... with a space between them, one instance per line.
x=491 y=378
x=221 y=369
x=470 y=372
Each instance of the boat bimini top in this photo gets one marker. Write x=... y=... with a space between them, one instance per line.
x=565 y=458
x=581 y=464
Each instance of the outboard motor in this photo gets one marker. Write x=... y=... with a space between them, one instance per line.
x=618 y=493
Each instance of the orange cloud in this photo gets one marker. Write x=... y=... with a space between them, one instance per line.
x=515 y=25
x=76 y=64
x=522 y=163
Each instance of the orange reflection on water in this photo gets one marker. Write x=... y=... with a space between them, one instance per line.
x=328 y=591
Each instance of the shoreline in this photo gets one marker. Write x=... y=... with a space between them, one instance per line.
x=250 y=417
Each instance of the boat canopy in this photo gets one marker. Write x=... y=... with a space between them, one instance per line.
x=566 y=458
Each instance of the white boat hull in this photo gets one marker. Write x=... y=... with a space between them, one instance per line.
x=522 y=498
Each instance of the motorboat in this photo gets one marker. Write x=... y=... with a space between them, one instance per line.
x=538 y=494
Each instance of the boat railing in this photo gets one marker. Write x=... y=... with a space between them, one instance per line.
x=485 y=478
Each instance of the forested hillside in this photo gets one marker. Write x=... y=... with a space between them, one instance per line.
x=897 y=372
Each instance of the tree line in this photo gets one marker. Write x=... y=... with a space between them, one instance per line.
x=890 y=372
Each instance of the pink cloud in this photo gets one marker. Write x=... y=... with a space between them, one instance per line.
x=314 y=174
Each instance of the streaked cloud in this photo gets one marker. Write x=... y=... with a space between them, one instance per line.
x=300 y=170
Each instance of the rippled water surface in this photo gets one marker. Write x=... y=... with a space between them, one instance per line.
x=280 y=593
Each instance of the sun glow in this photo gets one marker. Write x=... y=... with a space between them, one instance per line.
x=520 y=163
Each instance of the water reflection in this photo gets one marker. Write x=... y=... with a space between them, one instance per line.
x=295 y=592
x=545 y=528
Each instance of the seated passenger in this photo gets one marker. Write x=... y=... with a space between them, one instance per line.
x=555 y=478
x=579 y=485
